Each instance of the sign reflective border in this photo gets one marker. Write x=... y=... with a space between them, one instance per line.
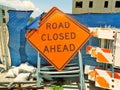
x=58 y=38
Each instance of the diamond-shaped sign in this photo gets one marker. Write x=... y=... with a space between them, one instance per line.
x=58 y=38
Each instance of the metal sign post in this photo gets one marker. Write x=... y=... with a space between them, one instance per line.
x=38 y=70
x=80 y=75
x=82 y=80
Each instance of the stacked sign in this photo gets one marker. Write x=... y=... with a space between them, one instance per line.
x=58 y=38
x=107 y=73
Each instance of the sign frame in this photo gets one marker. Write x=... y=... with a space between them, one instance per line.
x=45 y=18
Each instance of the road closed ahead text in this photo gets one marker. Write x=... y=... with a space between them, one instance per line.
x=58 y=36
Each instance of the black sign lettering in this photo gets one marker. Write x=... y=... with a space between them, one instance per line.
x=73 y=35
x=72 y=47
x=43 y=37
x=48 y=26
x=55 y=36
x=59 y=48
x=61 y=36
x=60 y=25
x=58 y=36
x=52 y=48
x=67 y=24
x=48 y=37
x=55 y=25
x=65 y=48
x=67 y=36
x=46 y=50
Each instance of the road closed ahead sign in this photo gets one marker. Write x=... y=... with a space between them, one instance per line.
x=58 y=38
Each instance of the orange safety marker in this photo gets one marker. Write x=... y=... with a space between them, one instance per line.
x=104 y=55
x=101 y=54
x=58 y=38
x=89 y=49
x=102 y=58
x=104 y=79
x=90 y=70
x=105 y=50
x=102 y=82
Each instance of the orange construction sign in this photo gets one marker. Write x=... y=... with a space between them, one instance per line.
x=58 y=38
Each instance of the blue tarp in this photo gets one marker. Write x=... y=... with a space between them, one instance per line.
x=32 y=54
x=98 y=20
x=21 y=51
x=17 y=22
